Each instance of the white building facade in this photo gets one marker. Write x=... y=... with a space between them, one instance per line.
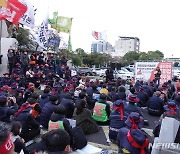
x=126 y=44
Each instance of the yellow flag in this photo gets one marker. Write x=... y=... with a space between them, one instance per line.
x=3 y=3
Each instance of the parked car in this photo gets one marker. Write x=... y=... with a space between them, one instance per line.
x=130 y=69
x=85 y=71
x=97 y=71
x=123 y=74
x=175 y=73
x=100 y=71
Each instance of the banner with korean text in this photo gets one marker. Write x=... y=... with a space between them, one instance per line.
x=42 y=38
x=28 y=18
x=14 y=11
x=145 y=71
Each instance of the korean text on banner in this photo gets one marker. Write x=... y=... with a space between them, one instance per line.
x=42 y=38
x=14 y=11
x=28 y=18
x=166 y=71
x=145 y=71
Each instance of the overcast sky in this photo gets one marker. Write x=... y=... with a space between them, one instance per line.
x=155 y=22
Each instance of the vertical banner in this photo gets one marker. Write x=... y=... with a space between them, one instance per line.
x=145 y=71
x=42 y=38
x=166 y=71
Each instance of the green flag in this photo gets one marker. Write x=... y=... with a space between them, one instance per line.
x=64 y=24
x=53 y=21
x=60 y=23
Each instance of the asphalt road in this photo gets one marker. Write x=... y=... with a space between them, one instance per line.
x=101 y=136
x=151 y=119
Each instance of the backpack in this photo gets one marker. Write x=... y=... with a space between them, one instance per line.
x=79 y=139
x=55 y=125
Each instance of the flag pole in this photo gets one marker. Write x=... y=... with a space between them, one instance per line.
x=56 y=19
x=69 y=41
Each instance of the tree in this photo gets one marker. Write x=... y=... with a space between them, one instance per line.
x=143 y=56
x=80 y=52
x=23 y=37
x=155 y=55
x=130 y=57
x=87 y=60
x=106 y=59
x=161 y=55
x=97 y=59
x=76 y=60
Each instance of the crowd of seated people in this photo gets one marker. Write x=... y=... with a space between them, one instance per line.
x=24 y=111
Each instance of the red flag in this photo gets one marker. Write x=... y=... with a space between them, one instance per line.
x=97 y=35
x=13 y=12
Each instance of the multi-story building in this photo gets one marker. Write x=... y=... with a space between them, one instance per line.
x=101 y=46
x=126 y=44
x=97 y=46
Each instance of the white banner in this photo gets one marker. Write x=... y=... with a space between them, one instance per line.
x=28 y=18
x=63 y=44
x=42 y=38
x=145 y=71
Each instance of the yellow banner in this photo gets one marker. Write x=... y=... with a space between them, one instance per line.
x=3 y=3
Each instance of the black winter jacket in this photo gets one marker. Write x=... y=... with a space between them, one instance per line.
x=6 y=112
x=46 y=113
x=68 y=103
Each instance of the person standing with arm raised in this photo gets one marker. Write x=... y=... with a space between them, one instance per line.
x=157 y=75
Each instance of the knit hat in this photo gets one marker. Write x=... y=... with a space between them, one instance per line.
x=134 y=120
x=133 y=98
x=132 y=141
x=119 y=106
